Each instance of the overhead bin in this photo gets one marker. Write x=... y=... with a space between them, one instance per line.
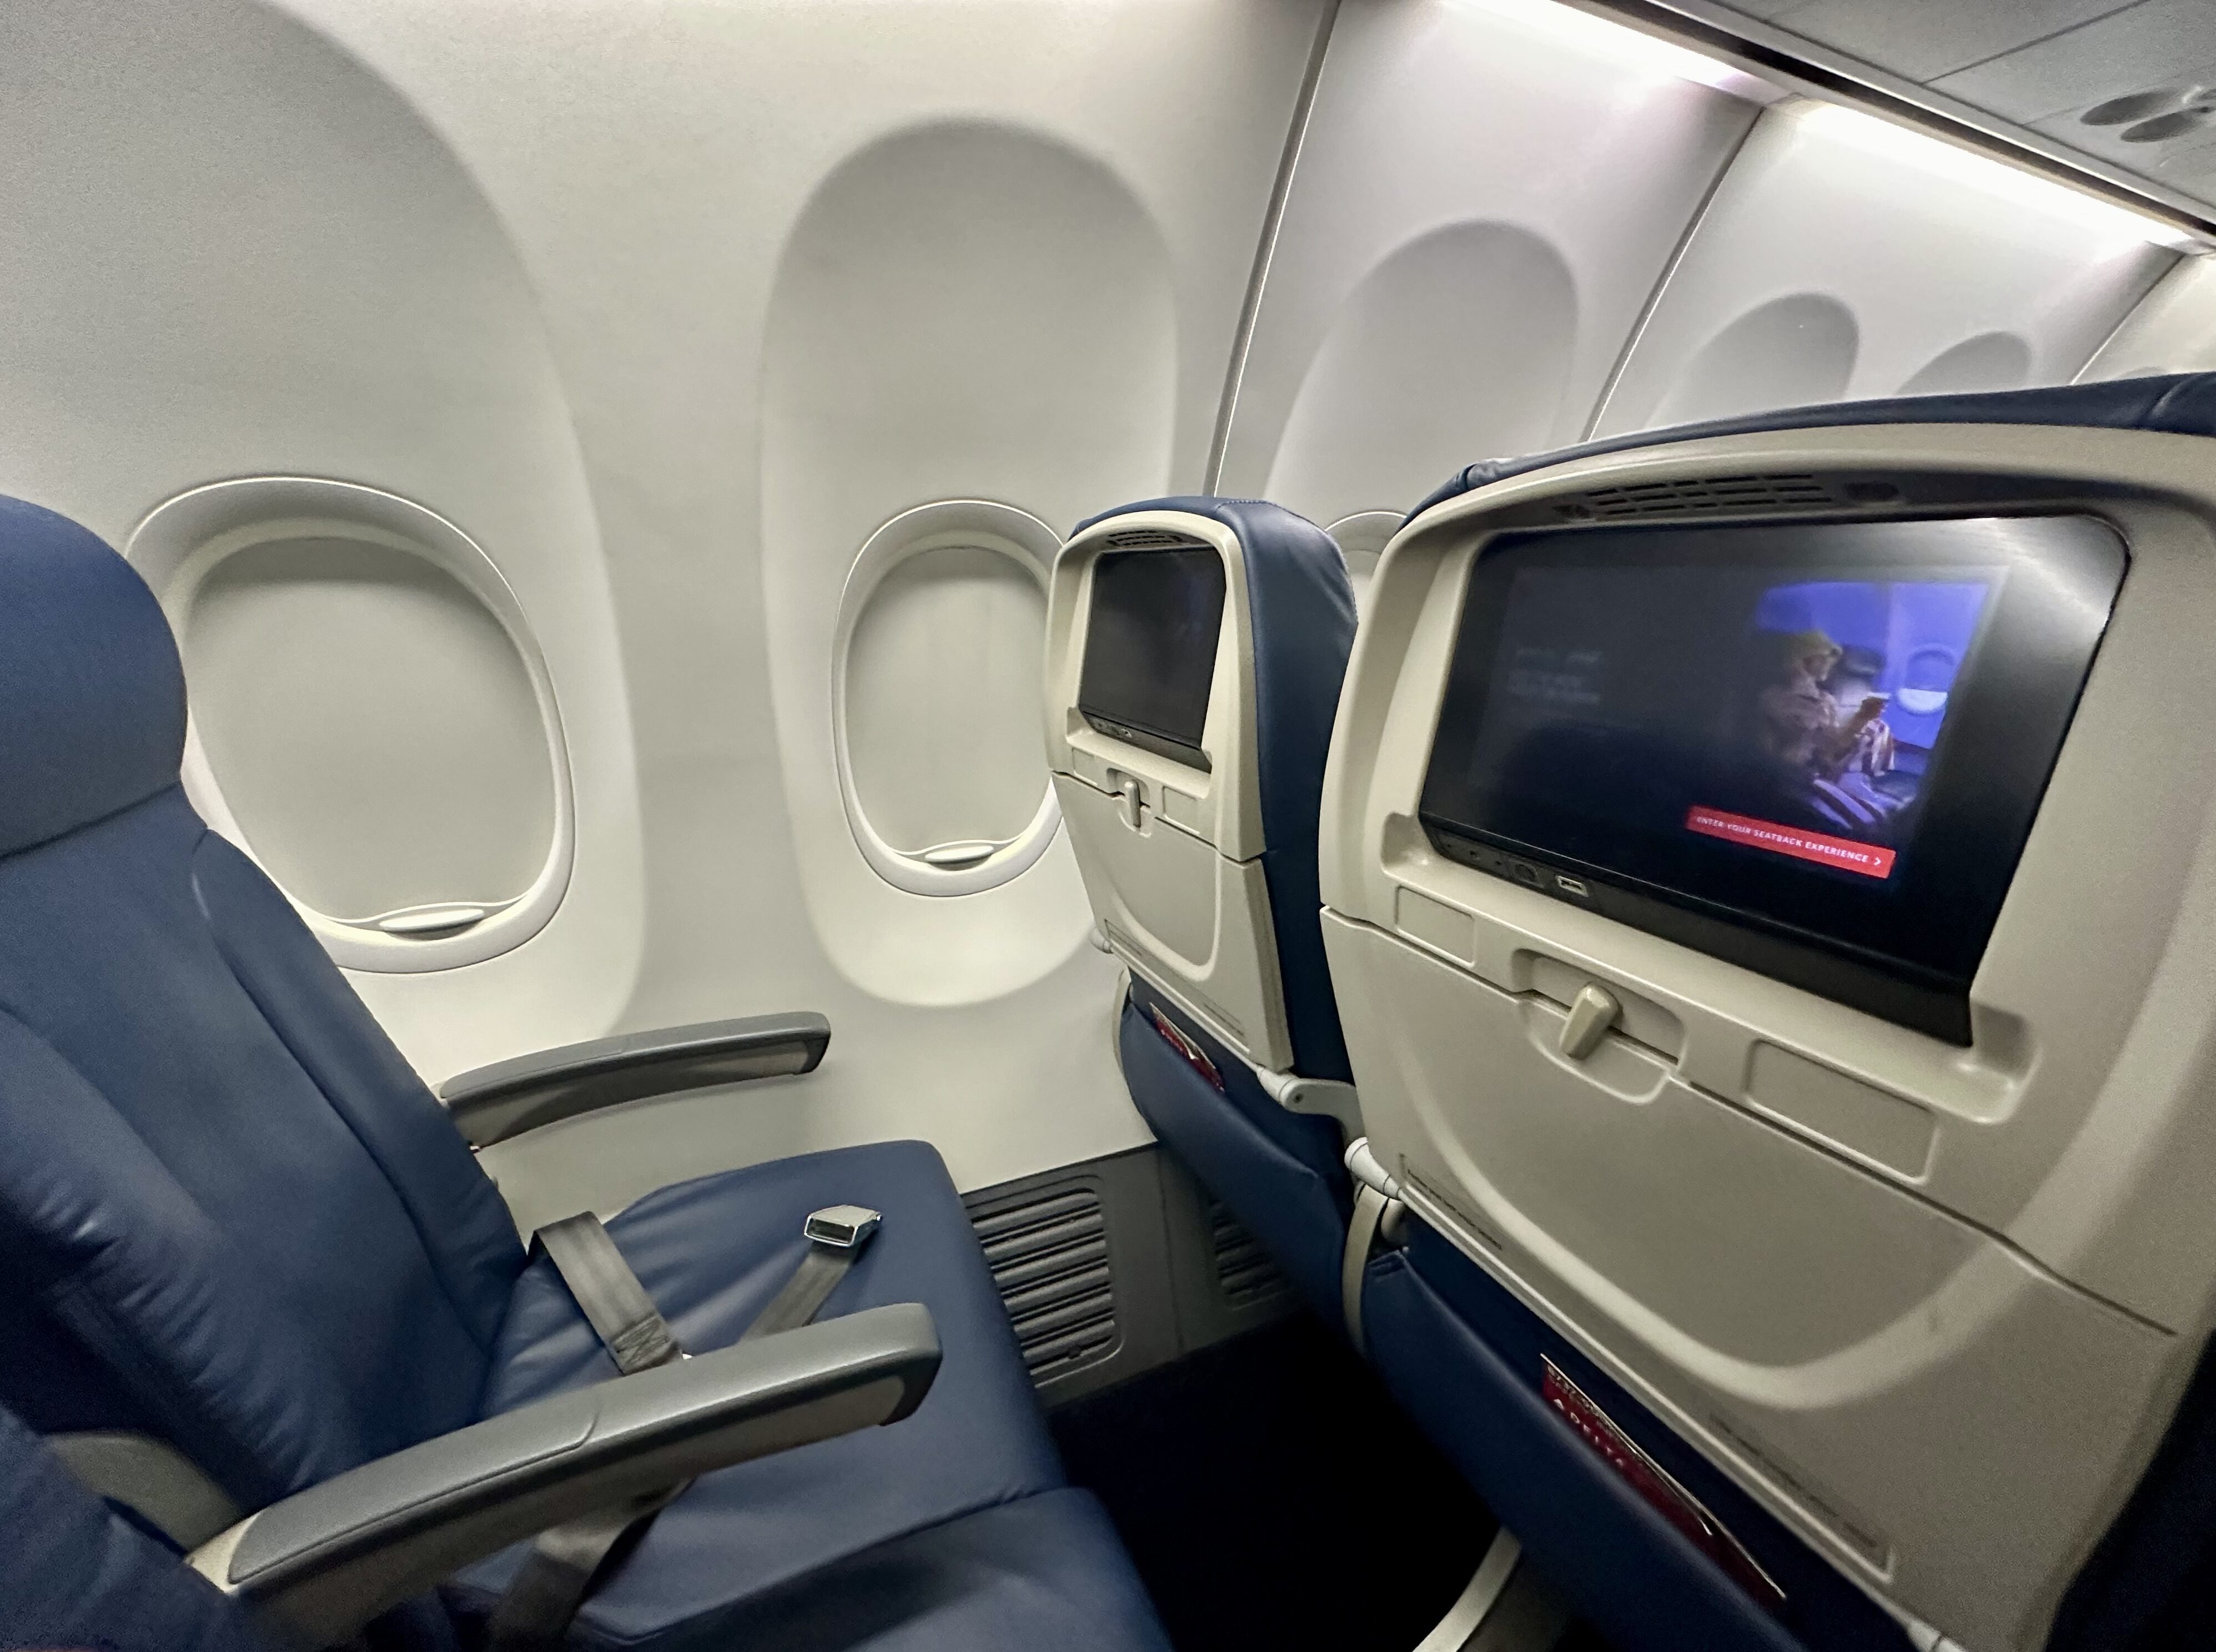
x=1766 y=888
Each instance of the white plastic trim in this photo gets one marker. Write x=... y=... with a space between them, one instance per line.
x=181 y=542
x=1329 y=1098
x=1362 y=539
x=974 y=524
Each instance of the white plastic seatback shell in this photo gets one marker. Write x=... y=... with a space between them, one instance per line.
x=1933 y=1305
x=1180 y=896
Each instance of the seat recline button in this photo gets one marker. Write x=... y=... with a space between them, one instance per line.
x=1591 y=1014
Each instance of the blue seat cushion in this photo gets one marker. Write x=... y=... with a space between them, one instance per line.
x=1045 y=1573
x=1280 y=1173
x=1462 y=1356
x=711 y=1253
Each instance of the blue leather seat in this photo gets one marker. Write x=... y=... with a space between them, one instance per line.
x=1464 y=1356
x=232 y=1216
x=1280 y=1173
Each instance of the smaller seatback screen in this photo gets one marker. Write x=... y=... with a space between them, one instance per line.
x=1150 y=646
x=1834 y=735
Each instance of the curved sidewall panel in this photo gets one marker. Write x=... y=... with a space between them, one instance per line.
x=313 y=286
x=963 y=302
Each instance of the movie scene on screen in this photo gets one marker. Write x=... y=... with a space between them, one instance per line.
x=1799 y=717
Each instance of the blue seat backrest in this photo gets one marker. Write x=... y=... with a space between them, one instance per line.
x=230 y=1212
x=2183 y=404
x=1301 y=610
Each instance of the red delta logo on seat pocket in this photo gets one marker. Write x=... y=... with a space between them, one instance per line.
x=1196 y=1058
x=1656 y=1486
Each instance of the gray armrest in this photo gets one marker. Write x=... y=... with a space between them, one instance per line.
x=325 y=1561
x=490 y=1104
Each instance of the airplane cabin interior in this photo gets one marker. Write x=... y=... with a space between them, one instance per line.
x=1123 y=826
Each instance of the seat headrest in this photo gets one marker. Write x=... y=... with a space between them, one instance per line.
x=2183 y=404
x=92 y=694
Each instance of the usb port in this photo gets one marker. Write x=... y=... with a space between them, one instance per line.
x=1571 y=886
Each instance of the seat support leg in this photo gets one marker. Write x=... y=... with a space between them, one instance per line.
x=1505 y=1607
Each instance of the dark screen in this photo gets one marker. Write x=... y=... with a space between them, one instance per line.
x=1150 y=642
x=1796 y=716
x=1835 y=734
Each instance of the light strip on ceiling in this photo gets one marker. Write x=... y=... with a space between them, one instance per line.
x=2108 y=220
x=1585 y=26
x=1627 y=47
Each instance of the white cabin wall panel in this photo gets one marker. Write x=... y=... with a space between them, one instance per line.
x=2173 y=330
x=1485 y=199
x=964 y=309
x=229 y=251
x=1843 y=257
x=672 y=177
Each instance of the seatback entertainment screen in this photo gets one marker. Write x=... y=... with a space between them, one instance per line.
x=1830 y=736
x=1150 y=648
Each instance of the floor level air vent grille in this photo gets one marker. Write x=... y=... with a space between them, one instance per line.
x=1244 y=1272
x=1048 y=1253
x=1696 y=498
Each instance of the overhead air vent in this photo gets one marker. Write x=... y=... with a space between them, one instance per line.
x=1048 y=1250
x=1244 y=1272
x=2157 y=116
x=1147 y=539
x=1693 y=498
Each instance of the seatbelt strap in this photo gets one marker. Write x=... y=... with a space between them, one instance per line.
x=535 y=1610
x=637 y=1336
x=835 y=1238
x=567 y=1561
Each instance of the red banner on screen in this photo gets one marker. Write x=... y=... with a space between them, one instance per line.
x=1825 y=850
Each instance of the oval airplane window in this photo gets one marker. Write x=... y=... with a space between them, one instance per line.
x=941 y=749
x=369 y=719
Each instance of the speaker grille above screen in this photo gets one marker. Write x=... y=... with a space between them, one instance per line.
x=1048 y=1251
x=1690 y=498
x=1145 y=539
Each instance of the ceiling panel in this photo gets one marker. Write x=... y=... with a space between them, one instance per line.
x=2143 y=46
x=2124 y=89
x=1918 y=40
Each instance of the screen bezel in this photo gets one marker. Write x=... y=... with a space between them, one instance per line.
x=1907 y=949
x=1116 y=721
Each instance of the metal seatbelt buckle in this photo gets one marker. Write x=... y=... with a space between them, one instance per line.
x=843 y=1227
